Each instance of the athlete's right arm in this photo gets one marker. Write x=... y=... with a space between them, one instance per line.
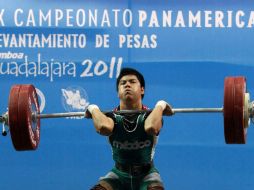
x=103 y=124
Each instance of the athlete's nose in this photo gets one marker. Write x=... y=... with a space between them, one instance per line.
x=127 y=84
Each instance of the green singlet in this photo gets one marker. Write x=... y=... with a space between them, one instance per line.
x=132 y=146
x=129 y=141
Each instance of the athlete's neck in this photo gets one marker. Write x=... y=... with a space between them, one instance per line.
x=130 y=105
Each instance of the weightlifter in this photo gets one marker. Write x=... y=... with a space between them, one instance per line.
x=132 y=136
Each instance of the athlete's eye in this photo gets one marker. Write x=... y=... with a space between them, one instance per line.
x=133 y=81
x=122 y=82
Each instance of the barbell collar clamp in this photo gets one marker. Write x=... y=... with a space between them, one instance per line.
x=4 y=118
x=251 y=109
x=4 y=121
x=4 y=131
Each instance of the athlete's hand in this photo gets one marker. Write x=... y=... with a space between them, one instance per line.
x=166 y=107
x=90 y=109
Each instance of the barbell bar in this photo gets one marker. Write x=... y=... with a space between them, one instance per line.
x=4 y=117
x=175 y=110
x=23 y=116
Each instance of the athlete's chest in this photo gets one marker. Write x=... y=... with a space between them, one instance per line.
x=130 y=128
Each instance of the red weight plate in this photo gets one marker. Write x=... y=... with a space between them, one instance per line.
x=240 y=90
x=13 y=116
x=234 y=94
x=227 y=109
x=25 y=130
x=30 y=126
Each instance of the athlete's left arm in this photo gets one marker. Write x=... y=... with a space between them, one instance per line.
x=153 y=123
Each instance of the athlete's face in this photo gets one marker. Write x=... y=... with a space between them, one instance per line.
x=129 y=88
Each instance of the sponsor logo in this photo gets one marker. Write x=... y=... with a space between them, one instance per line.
x=126 y=145
x=74 y=98
x=11 y=55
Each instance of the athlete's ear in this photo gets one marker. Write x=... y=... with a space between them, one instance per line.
x=142 y=90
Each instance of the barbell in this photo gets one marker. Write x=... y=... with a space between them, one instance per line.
x=23 y=115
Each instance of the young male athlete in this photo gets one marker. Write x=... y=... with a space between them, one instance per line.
x=132 y=136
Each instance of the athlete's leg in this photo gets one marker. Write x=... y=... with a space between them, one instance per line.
x=109 y=182
x=102 y=185
x=155 y=186
x=152 y=181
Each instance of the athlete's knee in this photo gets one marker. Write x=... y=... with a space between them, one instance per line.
x=98 y=187
x=102 y=186
x=155 y=186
